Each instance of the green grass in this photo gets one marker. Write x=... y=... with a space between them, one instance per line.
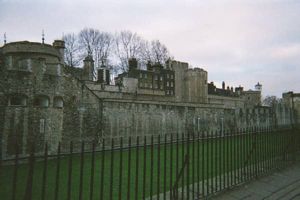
x=211 y=158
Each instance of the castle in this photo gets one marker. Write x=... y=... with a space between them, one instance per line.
x=45 y=101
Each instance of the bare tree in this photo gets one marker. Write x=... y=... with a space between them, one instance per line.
x=97 y=43
x=103 y=48
x=159 y=52
x=128 y=45
x=72 y=56
x=113 y=51
x=154 y=52
x=271 y=101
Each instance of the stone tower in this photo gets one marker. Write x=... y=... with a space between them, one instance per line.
x=195 y=85
x=180 y=69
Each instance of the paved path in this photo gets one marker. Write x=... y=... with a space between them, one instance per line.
x=281 y=185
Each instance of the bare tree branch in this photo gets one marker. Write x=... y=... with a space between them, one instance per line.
x=72 y=57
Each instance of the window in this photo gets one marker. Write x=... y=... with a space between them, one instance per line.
x=18 y=100
x=167 y=76
x=41 y=101
x=24 y=64
x=161 y=78
x=58 y=102
x=171 y=92
x=156 y=77
x=161 y=87
x=141 y=75
x=145 y=75
x=172 y=76
x=167 y=83
x=172 y=84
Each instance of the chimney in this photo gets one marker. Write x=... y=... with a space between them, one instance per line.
x=88 y=68
x=60 y=46
x=103 y=75
x=132 y=63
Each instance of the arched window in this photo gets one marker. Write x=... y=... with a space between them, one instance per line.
x=17 y=100
x=58 y=102
x=41 y=101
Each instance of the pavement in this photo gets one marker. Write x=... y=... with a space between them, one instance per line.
x=281 y=185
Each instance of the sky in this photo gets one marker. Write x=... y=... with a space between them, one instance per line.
x=241 y=42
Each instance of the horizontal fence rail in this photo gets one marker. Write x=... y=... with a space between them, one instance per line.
x=185 y=166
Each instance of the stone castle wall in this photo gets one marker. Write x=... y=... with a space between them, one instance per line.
x=56 y=107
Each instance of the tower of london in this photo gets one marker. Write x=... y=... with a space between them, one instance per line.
x=45 y=101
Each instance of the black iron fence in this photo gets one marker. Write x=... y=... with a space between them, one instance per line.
x=190 y=166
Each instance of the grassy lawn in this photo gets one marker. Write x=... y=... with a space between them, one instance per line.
x=207 y=158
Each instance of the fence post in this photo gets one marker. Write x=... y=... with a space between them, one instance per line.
x=216 y=139
x=57 y=173
x=193 y=166
x=203 y=165
x=92 y=171
x=198 y=165
x=177 y=162
x=129 y=169
x=207 y=164
x=137 y=167
x=70 y=166
x=45 y=172
x=151 y=169
x=158 y=167
x=28 y=192
x=294 y=144
x=121 y=168
x=15 y=176
x=188 y=168
x=165 y=167
x=81 y=170
x=111 y=169
x=223 y=157
x=102 y=169
x=144 y=167
x=182 y=153
x=171 y=163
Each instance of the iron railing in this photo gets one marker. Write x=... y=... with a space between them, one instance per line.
x=190 y=166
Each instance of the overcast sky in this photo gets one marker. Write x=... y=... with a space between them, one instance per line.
x=238 y=41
